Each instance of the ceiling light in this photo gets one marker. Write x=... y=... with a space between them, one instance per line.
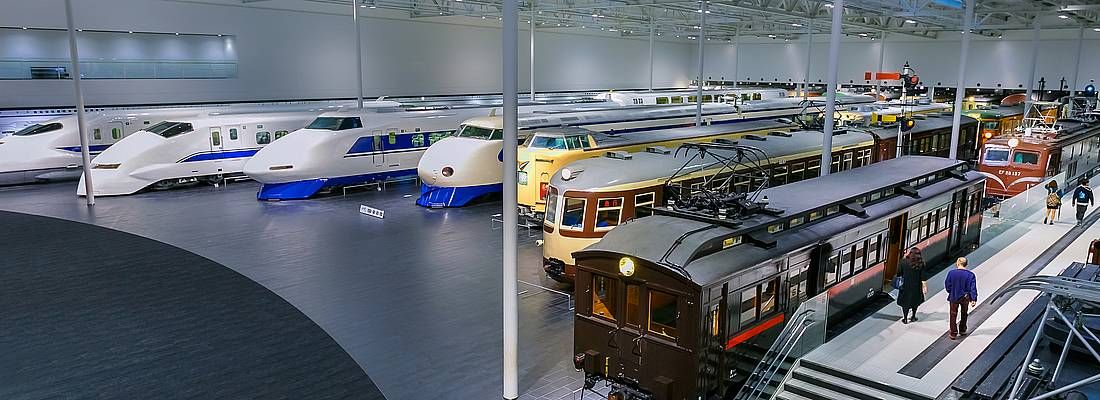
x=1063 y=16
x=909 y=21
x=24 y=28
x=82 y=30
x=863 y=34
x=1093 y=29
x=771 y=36
x=219 y=35
x=177 y=33
x=126 y=31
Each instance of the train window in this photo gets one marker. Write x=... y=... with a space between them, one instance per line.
x=847 y=165
x=573 y=216
x=263 y=137
x=996 y=154
x=96 y=134
x=795 y=173
x=776 y=228
x=677 y=100
x=889 y=192
x=335 y=123
x=603 y=297
x=418 y=139
x=832 y=210
x=864 y=158
x=708 y=98
x=691 y=99
x=233 y=134
x=797 y=221
x=633 y=305
x=779 y=175
x=608 y=213
x=168 y=129
x=392 y=137
x=831 y=269
x=35 y=129
x=875 y=196
x=990 y=125
x=872 y=250
x=551 y=213
x=860 y=256
x=836 y=162
x=941 y=223
x=280 y=134
x=573 y=142
x=714 y=320
x=215 y=138
x=663 y=313
x=768 y=297
x=643 y=200
x=377 y=143
x=1025 y=157
x=662 y=100
x=846 y=262
x=813 y=168
x=815 y=215
x=748 y=306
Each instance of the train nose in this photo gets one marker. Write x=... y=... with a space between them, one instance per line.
x=285 y=160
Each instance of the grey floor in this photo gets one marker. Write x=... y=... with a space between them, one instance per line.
x=414 y=298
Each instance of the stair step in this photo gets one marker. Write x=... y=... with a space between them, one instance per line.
x=862 y=381
x=841 y=385
x=814 y=392
x=785 y=395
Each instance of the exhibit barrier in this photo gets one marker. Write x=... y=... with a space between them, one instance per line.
x=59 y=69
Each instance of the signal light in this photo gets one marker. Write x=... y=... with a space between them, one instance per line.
x=907 y=124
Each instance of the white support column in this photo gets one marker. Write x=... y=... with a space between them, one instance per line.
x=881 y=64
x=74 y=58
x=1076 y=67
x=1034 y=63
x=830 y=95
x=960 y=85
x=809 y=57
x=509 y=213
x=533 y=23
x=652 y=28
x=358 y=52
x=702 y=37
x=736 y=53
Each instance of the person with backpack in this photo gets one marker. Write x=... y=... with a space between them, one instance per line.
x=1054 y=203
x=1082 y=198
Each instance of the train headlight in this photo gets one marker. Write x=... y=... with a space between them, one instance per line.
x=988 y=135
x=626 y=266
x=1013 y=142
x=448 y=171
x=566 y=174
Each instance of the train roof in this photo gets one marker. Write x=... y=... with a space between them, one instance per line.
x=704 y=252
x=657 y=163
x=606 y=141
x=1071 y=131
x=996 y=112
x=930 y=122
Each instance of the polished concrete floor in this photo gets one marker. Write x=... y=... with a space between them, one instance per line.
x=414 y=298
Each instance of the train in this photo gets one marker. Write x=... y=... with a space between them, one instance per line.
x=680 y=304
x=887 y=112
x=462 y=169
x=624 y=181
x=996 y=120
x=1037 y=150
x=688 y=96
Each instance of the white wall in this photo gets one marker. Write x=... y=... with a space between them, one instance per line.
x=294 y=55
x=991 y=62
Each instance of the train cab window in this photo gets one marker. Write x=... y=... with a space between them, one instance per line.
x=263 y=137
x=233 y=134
x=335 y=123
x=1025 y=157
x=603 y=297
x=748 y=307
x=572 y=217
x=96 y=134
x=996 y=154
x=35 y=129
x=633 y=305
x=662 y=100
x=573 y=142
x=663 y=313
x=168 y=129
x=991 y=125
x=608 y=213
x=643 y=200
x=551 y=214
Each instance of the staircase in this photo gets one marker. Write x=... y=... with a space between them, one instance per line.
x=812 y=381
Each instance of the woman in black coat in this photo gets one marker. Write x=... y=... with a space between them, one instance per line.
x=913 y=286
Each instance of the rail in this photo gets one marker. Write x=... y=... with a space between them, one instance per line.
x=804 y=332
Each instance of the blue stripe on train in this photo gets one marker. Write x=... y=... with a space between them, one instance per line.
x=304 y=189
x=402 y=141
x=91 y=149
x=440 y=196
x=220 y=155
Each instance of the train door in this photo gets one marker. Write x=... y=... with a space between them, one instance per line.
x=378 y=155
x=894 y=246
x=959 y=207
x=713 y=341
x=215 y=139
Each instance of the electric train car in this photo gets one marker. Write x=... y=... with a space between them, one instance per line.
x=459 y=170
x=930 y=136
x=996 y=120
x=672 y=306
x=688 y=96
x=1016 y=162
x=184 y=151
x=887 y=112
x=589 y=197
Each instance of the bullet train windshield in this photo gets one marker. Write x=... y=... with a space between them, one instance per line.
x=168 y=129
x=35 y=129
x=335 y=123
x=477 y=132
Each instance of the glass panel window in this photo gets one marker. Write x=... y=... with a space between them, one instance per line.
x=603 y=297
x=1025 y=157
x=35 y=129
x=662 y=100
x=846 y=263
x=768 y=297
x=608 y=213
x=996 y=154
x=233 y=134
x=775 y=228
x=215 y=138
x=116 y=133
x=633 y=305
x=677 y=100
x=872 y=251
x=796 y=221
x=335 y=123
x=663 y=313
x=167 y=129
x=748 y=307
x=815 y=215
x=859 y=257
x=832 y=210
x=279 y=134
x=263 y=137
x=643 y=200
x=392 y=137
x=831 y=267
x=96 y=134
x=551 y=214
x=573 y=216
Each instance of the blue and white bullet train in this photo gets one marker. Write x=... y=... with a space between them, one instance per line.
x=459 y=170
x=349 y=148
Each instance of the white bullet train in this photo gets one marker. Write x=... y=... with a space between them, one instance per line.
x=49 y=150
x=349 y=148
x=459 y=170
x=687 y=96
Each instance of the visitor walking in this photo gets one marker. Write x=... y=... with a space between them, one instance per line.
x=962 y=293
x=1054 y=203
x=1082 y=198
x=913 y=285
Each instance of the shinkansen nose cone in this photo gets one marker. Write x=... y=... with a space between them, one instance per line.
x=458 y=170
x=125 y=167
x=42 y=157
x=290 y=158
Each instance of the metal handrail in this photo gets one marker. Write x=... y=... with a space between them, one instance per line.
x=778 y=362
x=778 y=351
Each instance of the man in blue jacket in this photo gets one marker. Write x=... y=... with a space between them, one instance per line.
x=1082 y=198
x=962 y=292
